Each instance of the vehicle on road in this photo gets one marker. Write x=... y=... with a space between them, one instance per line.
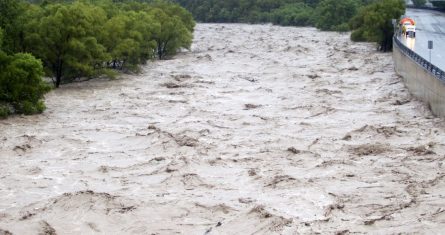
x=408 y=26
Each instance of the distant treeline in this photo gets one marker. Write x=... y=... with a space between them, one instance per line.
x=438 y=4
x=327 y=15
x=65 y=40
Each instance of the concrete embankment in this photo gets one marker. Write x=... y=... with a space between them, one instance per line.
x=421 y=82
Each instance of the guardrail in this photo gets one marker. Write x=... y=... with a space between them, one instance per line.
x=435 y=71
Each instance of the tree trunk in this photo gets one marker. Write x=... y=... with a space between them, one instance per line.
x=164 y=48
x=58 y=80
x=59 y=72
x=160 y=53
x=122 y=65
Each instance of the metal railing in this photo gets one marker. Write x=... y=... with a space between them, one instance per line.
x=435 y=71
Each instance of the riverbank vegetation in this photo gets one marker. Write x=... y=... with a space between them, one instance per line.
x=280 y=12
x=439 y=4
x=21 y=84
x=69 y=40
x=373 y=23
x=419 y=3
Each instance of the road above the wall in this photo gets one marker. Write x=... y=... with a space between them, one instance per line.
x=430 y=25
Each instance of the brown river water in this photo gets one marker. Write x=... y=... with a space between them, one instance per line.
x=259 y=129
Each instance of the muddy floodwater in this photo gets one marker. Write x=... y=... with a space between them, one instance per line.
x=258 y=129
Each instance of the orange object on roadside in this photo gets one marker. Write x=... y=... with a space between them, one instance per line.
x=407 y=20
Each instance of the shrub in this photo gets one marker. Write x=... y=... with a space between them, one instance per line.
x=439 y=4
x=4 y=111
x=28 y=107
x=342 y=27
x=419 y=3
x=333 y=15
x=373 y=22
x=357 y=36
x=292 y=14
x=21 y=84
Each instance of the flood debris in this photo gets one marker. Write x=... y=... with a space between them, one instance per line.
x=293 y=150
x=369 y=149
x=347 y=137
x=401 y=102
x=5 y=232
x=46 y=229
x=251 y=106
x=172 y=85
x=422 y=149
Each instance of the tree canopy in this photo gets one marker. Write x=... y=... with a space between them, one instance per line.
x=324 y=14
x=285 y=12
x=373 y=22
x=334 y=15
x=419 y=3
x=71 y=33
x=438 y=3
x=21 y=84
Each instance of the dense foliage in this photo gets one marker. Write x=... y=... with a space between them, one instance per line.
x=81 y=39
x=324 y=14
x=334 y=15
x=284 y=12
x=21 y=84
x=419 y=3
x=299 y=14
x=373 y=22
x=438 y=3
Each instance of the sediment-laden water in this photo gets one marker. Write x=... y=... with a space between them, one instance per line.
x=258 y=130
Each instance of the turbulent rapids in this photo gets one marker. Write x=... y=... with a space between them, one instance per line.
x=258 y=129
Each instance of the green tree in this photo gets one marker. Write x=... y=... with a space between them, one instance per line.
x=373 y=22
x=334 y=15
x=128 y=39
x=121 y=42
x=1 y=38
x=176 y=10
x=10 y=12
x=438 y=3
x=67 y=41
x=419 y=3
x=172 y=34
x=292 y=14
x=147 y=26
x=21 y=85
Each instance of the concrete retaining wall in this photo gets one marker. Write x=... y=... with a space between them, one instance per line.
x=420 y=82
